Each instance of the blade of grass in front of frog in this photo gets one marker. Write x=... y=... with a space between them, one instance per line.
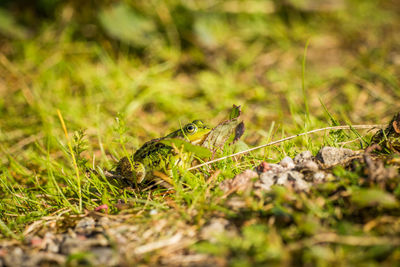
x=163 y=177
x=218 y=136
x=199 y=151
x=231 y=129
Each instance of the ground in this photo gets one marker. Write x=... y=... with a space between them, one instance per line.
x=81 y=88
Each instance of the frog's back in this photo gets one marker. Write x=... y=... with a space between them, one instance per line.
x=152 y=153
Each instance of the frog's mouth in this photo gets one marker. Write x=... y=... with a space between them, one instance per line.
x=201 y=140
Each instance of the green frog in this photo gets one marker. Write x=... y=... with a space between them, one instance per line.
x=154 y=155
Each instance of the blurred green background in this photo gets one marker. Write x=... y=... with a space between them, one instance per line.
x=153 y=60
x=161 y=63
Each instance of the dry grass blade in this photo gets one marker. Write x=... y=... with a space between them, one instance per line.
x=163 y=176
x=73 y=159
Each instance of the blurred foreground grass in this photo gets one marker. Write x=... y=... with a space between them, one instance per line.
x=158 y=64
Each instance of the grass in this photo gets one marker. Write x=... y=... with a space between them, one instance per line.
x=76 y=95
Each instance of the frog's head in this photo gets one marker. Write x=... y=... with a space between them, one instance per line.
x=195 y=132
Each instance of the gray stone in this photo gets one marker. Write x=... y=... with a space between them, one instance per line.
x=287 y=178
x=213 y=229
x=296 y=179
x=281 y=178
x=287 y=163
x=302 y=157
x=307 y=166
x=85 y=226
x=319 y=176
x=275 y=168
x=266 y=181
x=331 y=156
x=301 y=185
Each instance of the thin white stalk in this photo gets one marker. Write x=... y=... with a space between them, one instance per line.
x=341 y=127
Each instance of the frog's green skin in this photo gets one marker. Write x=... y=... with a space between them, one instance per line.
x=154 y=155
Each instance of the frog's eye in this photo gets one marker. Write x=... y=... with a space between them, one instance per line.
x=191 y=128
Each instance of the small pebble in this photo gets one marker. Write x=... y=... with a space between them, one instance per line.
x=85 y=226
x=287 y=163
x=303 y=156
x=319 y=176
x=266 y=181
x=281 y=178
x=301 y=185
x=307 y=166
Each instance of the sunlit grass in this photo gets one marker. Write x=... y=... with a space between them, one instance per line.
x=292 y=69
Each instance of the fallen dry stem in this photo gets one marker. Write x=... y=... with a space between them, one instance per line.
x=341 y=127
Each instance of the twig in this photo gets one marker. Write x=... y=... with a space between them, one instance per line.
x=341 y=127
